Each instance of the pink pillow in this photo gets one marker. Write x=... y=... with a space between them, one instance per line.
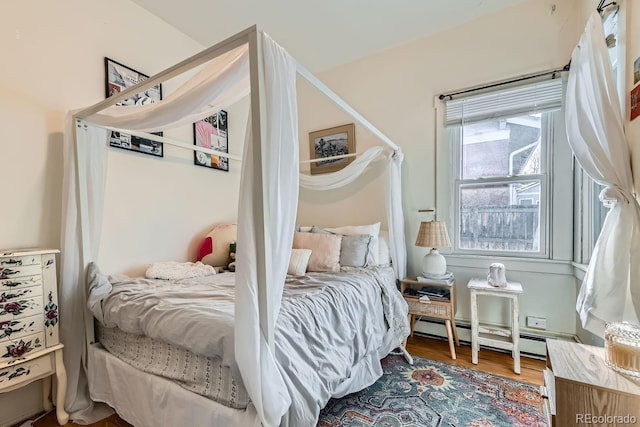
x=325 y=250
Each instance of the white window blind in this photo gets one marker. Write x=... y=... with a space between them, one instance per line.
x=527 y=99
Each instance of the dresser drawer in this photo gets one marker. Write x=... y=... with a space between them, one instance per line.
x=19 y=261
x=20 y=282
x=441 y=309
x=22 y=271
x=21 y=308
x=14 y=329
x=24 y=373
x=20 y=294
x=14 y=351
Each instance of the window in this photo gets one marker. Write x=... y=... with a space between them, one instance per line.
x=500 y=144
x=590 y=213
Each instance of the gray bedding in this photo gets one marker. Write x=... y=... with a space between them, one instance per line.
x=332 y=330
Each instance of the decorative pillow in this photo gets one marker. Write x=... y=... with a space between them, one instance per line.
x=373 y=230
x=325 y=255
x=214 y=250
x=355 y=251
x=299 y=261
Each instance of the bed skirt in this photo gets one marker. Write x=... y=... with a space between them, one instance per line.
x=146 y=400
x=206 y=376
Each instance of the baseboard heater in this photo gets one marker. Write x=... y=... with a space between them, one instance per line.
x=531 y=345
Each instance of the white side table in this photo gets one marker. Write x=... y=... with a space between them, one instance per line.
x=511 y=292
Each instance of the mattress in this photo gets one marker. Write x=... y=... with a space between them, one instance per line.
x=332 y=329
x=200 y=374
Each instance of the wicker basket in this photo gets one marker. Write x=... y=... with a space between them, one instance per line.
x=622 y=347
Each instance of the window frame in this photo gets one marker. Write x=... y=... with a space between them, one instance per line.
x=545 y=178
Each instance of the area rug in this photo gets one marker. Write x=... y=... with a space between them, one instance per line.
x=430 y=394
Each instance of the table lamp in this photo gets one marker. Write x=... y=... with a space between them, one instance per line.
x=433 y=234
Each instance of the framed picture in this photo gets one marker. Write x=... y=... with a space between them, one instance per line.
x=119 y=77
x=331 y=142
x=211 y=132
x=634 y=103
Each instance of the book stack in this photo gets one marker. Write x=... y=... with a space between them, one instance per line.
x=436 y=287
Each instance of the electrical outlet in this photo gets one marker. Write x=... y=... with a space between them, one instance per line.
x=536 y=322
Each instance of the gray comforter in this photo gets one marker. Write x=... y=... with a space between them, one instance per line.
x=332 y=330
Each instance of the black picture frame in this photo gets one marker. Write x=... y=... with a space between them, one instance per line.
x=212 y=132
x=119 y=77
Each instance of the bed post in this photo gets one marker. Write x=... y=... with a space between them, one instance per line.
x=262 y=230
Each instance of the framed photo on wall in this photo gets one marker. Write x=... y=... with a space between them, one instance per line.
x=119 y=77
x=336 y=141
x=211 y=132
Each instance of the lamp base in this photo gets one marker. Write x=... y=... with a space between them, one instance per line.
x=434 y=263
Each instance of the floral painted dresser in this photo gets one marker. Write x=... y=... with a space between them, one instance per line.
x=30 y=347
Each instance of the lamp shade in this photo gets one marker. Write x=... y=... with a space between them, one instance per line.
x=433 y=234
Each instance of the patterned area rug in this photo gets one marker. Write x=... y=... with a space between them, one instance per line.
x=430 y=394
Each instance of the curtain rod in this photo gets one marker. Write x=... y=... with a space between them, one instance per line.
x=519 y=79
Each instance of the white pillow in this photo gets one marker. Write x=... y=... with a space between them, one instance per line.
x=384 y=253
x=299 y=261
x=372 y=229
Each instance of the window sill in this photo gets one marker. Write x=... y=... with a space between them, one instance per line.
x=532 y=265
x=579 y=270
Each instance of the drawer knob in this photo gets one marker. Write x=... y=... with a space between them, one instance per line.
x=11 y=261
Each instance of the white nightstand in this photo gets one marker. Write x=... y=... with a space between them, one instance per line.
x=511 y=292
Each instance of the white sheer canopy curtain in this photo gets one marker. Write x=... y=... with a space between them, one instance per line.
x=611 y=287
x=221 y=82
x=393 y=197
x=258 y=366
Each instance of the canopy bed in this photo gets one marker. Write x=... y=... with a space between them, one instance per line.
x=248 y=63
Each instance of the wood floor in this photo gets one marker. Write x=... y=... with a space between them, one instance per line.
x=493 y=362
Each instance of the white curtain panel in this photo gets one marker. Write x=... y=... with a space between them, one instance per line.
x=73 y=314
x=611 y=289
x=258 y=367
x=395 y=217
x=342 y=177
x=221 y=82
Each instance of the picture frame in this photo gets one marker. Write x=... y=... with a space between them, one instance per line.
x=331 y=142
x=212 y=132
x=119 y=77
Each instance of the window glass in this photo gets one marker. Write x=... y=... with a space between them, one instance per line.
x=500 y=217
x=500 y=185
x=501 y=148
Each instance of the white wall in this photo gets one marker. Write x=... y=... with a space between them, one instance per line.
x=395 y=90
x=632 y=52
x=52 y=61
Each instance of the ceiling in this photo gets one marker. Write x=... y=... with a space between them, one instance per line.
x=322 y=34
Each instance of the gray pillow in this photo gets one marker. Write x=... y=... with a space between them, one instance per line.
x=355 y=251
